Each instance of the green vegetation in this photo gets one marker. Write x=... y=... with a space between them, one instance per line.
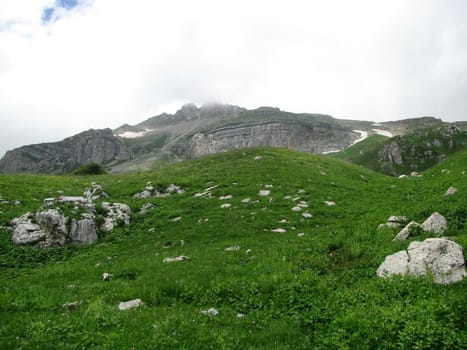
x=90 y=169
x=319 y=291
x=418 y=150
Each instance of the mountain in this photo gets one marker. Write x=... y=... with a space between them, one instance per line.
x=245 y=284
x=414 y=151
x=196 y=131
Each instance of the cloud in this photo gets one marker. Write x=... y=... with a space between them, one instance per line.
x=103 y=63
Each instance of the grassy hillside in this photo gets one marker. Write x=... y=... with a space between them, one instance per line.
x=418 y=150
x=316 y=291
x=363 y=153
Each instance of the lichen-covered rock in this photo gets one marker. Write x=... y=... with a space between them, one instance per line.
x=95 y=191
x=406 y=231
x=440 y=257
x=25 y=232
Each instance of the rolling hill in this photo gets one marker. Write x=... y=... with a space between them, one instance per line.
x=311 y=286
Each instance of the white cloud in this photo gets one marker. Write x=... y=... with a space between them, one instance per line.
x=108 y=62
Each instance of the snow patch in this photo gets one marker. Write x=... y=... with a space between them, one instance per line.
x=363 y=136
x=134 y=134
x=383 y=132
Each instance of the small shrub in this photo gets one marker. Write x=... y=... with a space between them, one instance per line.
x=90 y=169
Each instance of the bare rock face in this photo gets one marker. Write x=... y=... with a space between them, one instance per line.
x=441 y=258
x=92 y=146
x=315 y=139
x=391 y=153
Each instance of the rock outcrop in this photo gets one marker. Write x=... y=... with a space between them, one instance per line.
x=441 y=258
x=92 y=146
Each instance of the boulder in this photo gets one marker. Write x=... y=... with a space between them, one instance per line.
x=440 y=257
x=147 y=207
x=47 y=230
x=435 y=223
x=150 y=191
x=83 y=230
x=116 y=212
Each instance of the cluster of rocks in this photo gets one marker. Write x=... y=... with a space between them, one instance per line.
x=72 y=219
x=439 y=257
x=150 y=191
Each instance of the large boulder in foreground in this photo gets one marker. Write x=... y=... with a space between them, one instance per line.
x=440 y=257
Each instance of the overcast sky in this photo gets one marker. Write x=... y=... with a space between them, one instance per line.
x=70 y=65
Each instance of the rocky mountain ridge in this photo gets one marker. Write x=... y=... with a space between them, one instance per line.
x=196 y=131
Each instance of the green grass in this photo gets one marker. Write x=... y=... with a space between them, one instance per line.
x=319 y=291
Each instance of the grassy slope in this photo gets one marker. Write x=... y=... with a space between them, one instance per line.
x=318 y=291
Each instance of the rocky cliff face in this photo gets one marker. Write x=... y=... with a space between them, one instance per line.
x=420 y=149
x=308 y=138
x=99 y=146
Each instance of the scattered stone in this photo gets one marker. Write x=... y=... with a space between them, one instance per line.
x=450 y=191
x=322 y=173
x=303 y=204
x=94 y=192
x=258 y=158
x=414 y=174
x=226 y=205
x=178 y=218
x=79 y=201
x=307 y=215
x=279 y=230
x=233 y=248
x=150 y=191
x=406 y=231
x=106 y=276
x=72 y=305
x=17 y=202
x=441 y=258
x=296 y=208
x=207 y=192
x=301 y=191
x=126 y=305
x=403 y=176
x=435 y=223
x=268 y=186
x=240 y=315
x=147 y=207
x=116 y=212
x=445 y=171
x=283 y=221
x=246 y=200
x=212 y=311
x=229 y=196
x=264 y=193
x=49 y=201
x=329 y=203
x=176 y=259
x=301 y=234
x=287 y=197
x=182 y=243
x=152 y=230
x=248 y=251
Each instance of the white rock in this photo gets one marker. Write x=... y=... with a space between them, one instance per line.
x=178 y=218
x=226 y=205
x=233 y=248
x=283 y=221
x=248 y=251
x=403 y=176
x=279 y=230
x=296 y=208
x=212 y=311
x=435 y=223
x=406 y=231
x=176 y=259
x=450 y=191
x=268 y=186
x=302 y=204
x=240 y=315
x=329 y=203
x=106 y=276
x=307 y=215
x=264 y=193
x=258 y=158
x=301 y=234
x=229 y=196
x=246 y=200
x=126 y=305
x=206 y=192
x=439 y=257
